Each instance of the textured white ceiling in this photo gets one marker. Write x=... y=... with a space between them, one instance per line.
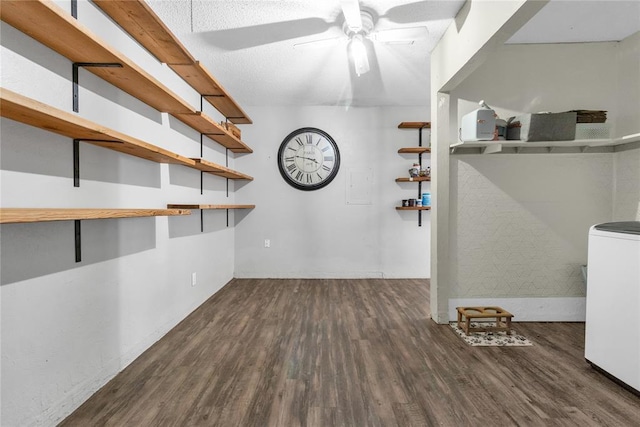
x=571 y=21
x=249 y=44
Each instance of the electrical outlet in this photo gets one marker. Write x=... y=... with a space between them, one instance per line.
x=193 y=279
x=267 y=243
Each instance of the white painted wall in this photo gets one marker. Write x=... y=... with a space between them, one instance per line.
x=520 y=222
x=68 y=328
x=320 y=233
x=626 y=195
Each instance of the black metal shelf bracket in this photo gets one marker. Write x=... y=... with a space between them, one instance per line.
x=75 y=66
x=76 y=163
x=202 y=219
x=76 y=156
x=226 y=163
x=420 y=182
x=78 y=238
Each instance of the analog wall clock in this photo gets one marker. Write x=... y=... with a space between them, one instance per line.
x=308 y=159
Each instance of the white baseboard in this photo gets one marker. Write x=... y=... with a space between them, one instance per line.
x=567 y=309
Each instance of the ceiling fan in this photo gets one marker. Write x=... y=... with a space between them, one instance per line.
x=358 y=28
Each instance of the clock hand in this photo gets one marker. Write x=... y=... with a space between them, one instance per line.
x=308 y=158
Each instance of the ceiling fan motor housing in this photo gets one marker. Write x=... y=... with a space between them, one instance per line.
x=367 y=25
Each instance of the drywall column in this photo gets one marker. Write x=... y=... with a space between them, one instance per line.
x=478 y=29
x=440 y=271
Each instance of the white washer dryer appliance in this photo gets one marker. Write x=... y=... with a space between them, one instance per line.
x=612 y=334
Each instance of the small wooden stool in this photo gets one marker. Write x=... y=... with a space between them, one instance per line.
x=471 y=313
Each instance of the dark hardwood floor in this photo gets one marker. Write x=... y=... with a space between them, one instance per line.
x=352 y=353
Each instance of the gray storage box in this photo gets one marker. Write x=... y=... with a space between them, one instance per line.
x=542 y=127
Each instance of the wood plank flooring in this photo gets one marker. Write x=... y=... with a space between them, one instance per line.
x=351 y=353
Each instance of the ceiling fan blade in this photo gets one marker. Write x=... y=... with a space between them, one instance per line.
x=351 y=12
x=319 y=43
x=406 y=35
x=420 y=11
x=258 y=35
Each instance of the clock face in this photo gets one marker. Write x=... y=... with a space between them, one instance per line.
x=308 y=159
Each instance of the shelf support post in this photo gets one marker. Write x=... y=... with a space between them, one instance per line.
x=76 y=163
x=76 y=156
x=226 y=163
x=420 y=182
x=75 y=66
x=78 y=242
x=201 y=220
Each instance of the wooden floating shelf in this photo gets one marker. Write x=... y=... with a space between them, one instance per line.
x=413 y=208
x=53 y=27
x=178 y=206
x=26 y=215
x=213 y=130
x=141 y=22
x=415 y=125
x=215 y=169
x=416 y=179
x=204 y=83
x=414 y=150
x=138 y=19
x=39 y=20
x=28 y=111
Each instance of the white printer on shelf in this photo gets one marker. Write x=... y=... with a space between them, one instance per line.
x=478 y=125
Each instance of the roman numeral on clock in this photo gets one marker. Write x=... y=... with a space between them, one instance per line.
x=291 y=167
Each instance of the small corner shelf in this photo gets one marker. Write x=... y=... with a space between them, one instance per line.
x=141 y=22
x=416 y=179
x=419 y=150
x=414 y=125
x=413 y=208
x=215 y=169
x=414 y=150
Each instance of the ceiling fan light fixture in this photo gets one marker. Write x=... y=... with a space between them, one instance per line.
x=358 y=52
